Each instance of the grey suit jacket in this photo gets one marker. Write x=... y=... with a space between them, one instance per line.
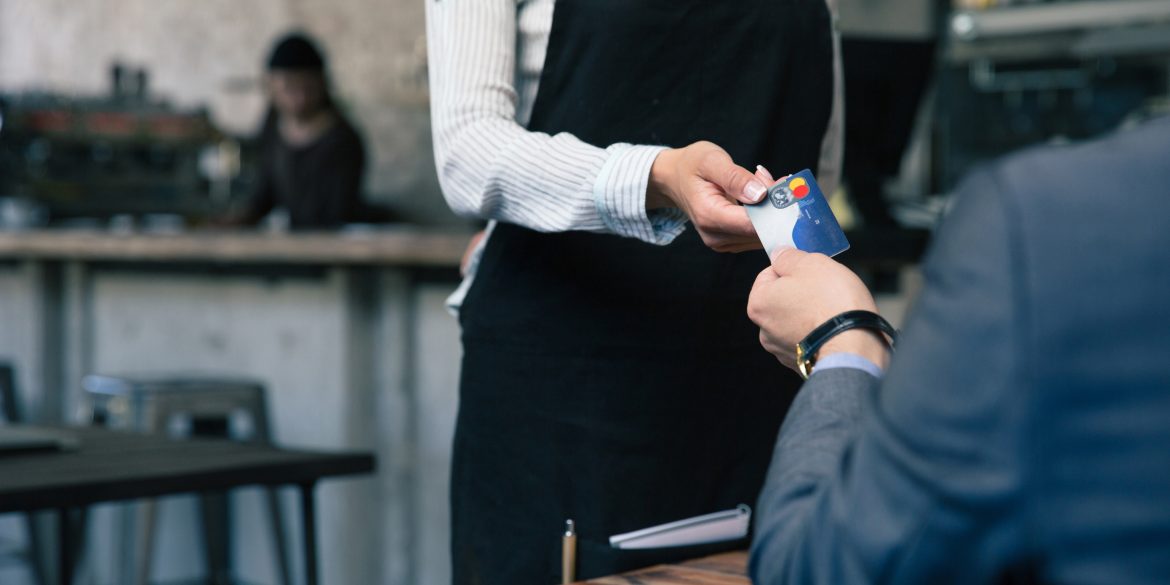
x=1022 y=431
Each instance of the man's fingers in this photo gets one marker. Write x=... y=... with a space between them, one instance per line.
x=765 y=276
x=757 y=308
x=717 y=167
x=786 y=259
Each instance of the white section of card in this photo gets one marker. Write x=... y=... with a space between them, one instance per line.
x=774 y=226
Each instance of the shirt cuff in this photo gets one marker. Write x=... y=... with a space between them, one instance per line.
x=620 y=196
x=847 y=360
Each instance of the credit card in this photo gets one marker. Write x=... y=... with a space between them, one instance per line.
x=796 y=214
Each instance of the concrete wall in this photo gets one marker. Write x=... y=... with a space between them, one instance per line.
x=20 y=304
x=211 y=52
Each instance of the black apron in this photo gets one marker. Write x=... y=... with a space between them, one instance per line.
x=611 y=381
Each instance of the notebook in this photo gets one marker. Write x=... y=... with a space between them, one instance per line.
x=706 y=529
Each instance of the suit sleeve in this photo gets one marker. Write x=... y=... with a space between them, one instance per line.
x=920 y=479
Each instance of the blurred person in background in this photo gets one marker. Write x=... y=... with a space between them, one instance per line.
x=311 y=157
x=1020 y=434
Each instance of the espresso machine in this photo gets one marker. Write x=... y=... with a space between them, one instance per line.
x=115 y=155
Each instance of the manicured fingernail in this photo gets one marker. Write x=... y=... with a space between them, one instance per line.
x=764 y=175
x=755 y=190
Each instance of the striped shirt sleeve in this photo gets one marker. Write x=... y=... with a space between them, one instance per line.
x=491 y=167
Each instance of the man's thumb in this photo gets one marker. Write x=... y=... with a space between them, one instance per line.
x=786 y=259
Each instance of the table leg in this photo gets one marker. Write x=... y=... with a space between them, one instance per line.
x=65 y=548
x=308 y=515
x=37 y=545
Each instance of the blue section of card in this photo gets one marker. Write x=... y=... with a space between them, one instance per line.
x=813 y=229
x=817 y=229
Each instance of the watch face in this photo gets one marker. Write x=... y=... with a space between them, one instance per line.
x=802 y=363
x=805 y=369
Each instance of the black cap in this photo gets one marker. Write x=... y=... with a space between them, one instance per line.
x=296 y=51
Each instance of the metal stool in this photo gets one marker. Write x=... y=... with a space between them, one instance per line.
x=11 y=412
x=205 y=406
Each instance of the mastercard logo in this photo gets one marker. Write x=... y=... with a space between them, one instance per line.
x=799 y=187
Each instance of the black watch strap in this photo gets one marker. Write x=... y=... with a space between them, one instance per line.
x=808 y=347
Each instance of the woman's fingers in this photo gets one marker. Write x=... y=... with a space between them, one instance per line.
x=737 y=182
x=763 y=175
x=708 y=186
x=725 y=226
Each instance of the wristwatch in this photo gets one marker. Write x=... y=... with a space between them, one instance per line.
x=806 y=350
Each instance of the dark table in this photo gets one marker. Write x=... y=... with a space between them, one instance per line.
x=111 y=465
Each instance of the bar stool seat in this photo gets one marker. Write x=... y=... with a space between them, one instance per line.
x=185 y=405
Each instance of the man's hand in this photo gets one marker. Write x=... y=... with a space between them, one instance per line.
x=798 y=293
x=705 y=183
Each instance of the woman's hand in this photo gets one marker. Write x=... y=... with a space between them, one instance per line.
x=703 y=181
x=465 y=263
x=798 y=293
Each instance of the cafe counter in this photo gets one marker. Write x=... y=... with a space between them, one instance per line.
x=347 y=330
x=399 y=247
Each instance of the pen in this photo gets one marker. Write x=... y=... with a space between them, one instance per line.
x=569 y=553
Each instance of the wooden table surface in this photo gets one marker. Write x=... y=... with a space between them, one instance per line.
x=722 y=569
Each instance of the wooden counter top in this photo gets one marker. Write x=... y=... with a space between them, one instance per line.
x=389 y=245
x=398 y=246
x=722 y=569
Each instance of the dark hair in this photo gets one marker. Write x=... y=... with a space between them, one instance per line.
x=296 y=51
